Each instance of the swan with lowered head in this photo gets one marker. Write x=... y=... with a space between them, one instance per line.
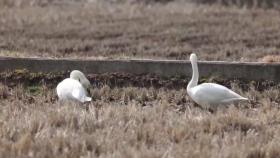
x=209 y=94
x=74 y=88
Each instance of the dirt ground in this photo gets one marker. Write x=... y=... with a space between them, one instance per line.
x=131 y=29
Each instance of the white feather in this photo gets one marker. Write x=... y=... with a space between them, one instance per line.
x=209 y=94
x=72 y=89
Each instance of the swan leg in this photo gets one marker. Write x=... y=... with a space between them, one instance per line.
x=197 y=105
x=211 y=109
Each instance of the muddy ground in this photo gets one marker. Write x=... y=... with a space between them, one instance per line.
x=133 y=29
x=119 y=80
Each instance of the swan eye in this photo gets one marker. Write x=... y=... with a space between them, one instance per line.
x=79 y=80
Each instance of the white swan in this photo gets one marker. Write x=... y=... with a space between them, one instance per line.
x=74 y=88
x=209 y=94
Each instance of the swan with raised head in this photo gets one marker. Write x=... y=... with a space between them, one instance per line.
x=209 y=94
x=74 y=88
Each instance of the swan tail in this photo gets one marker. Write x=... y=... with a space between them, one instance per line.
x=87 y=99
x=80 y=96
x=235 y=99
x=244 y=98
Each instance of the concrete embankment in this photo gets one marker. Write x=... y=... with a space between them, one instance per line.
x=163 y=68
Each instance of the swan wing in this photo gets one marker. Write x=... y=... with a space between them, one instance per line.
x=80 y=94
x=211 y=93
x=64 y=89
x=70 y=89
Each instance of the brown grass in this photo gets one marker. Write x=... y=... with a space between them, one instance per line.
x=270 y=59
x=135 y=122
x=171 y=30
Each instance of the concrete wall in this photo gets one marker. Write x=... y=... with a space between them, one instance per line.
x=165 y=68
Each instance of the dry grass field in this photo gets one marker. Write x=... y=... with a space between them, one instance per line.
x=137 y=116
x=163 y=29
x=136 y=122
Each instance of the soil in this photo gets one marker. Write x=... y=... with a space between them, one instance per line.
x=119 y=80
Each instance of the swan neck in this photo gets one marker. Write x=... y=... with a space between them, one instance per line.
x=195 y=75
